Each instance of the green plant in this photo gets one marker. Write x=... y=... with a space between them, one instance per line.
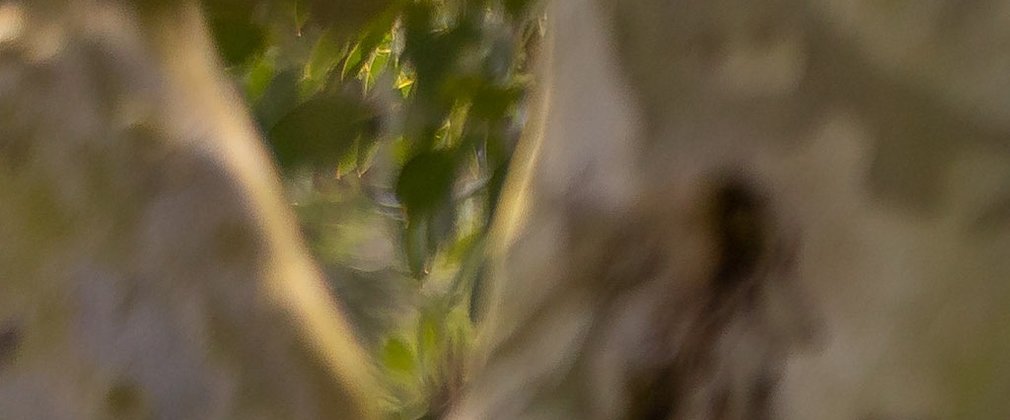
x=394 y=123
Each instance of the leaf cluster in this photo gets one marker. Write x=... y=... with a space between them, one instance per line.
x=394 y=122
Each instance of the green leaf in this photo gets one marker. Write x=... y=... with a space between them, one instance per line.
x=325 y=56
x=425 y=234
x=375 y=68
x=415 y=245
x=348 y=15
x=237 y=37
x=430 y=337
x=363 y=50
x=404 y=84
x=398 y=357
x=261 y=72
x=368 y=145
x=517 y=8
x=278 y=98
x=349 y=162
x=493 y=103
x=425 y=181
x=354 y=60
x=318 y=132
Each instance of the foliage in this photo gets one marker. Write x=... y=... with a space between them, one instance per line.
x=394 y=123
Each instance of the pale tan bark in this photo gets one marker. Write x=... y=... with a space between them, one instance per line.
x=149 y=267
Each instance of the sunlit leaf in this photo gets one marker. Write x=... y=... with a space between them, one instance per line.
x=376 y=68
x=363 y=50
x=403 y=84
x=429 y=336
x=397 y=356
x=368 y=146
x=259 y=75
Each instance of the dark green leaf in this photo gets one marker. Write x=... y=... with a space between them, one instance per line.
x=278 y=99
x=326 y=54
x=347 y=15
x=425 y=181
x=415 y=245
x=493 y=103
x=237 y=37
x=318 y=132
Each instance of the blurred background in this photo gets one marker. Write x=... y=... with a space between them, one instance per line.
x=394 y=123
